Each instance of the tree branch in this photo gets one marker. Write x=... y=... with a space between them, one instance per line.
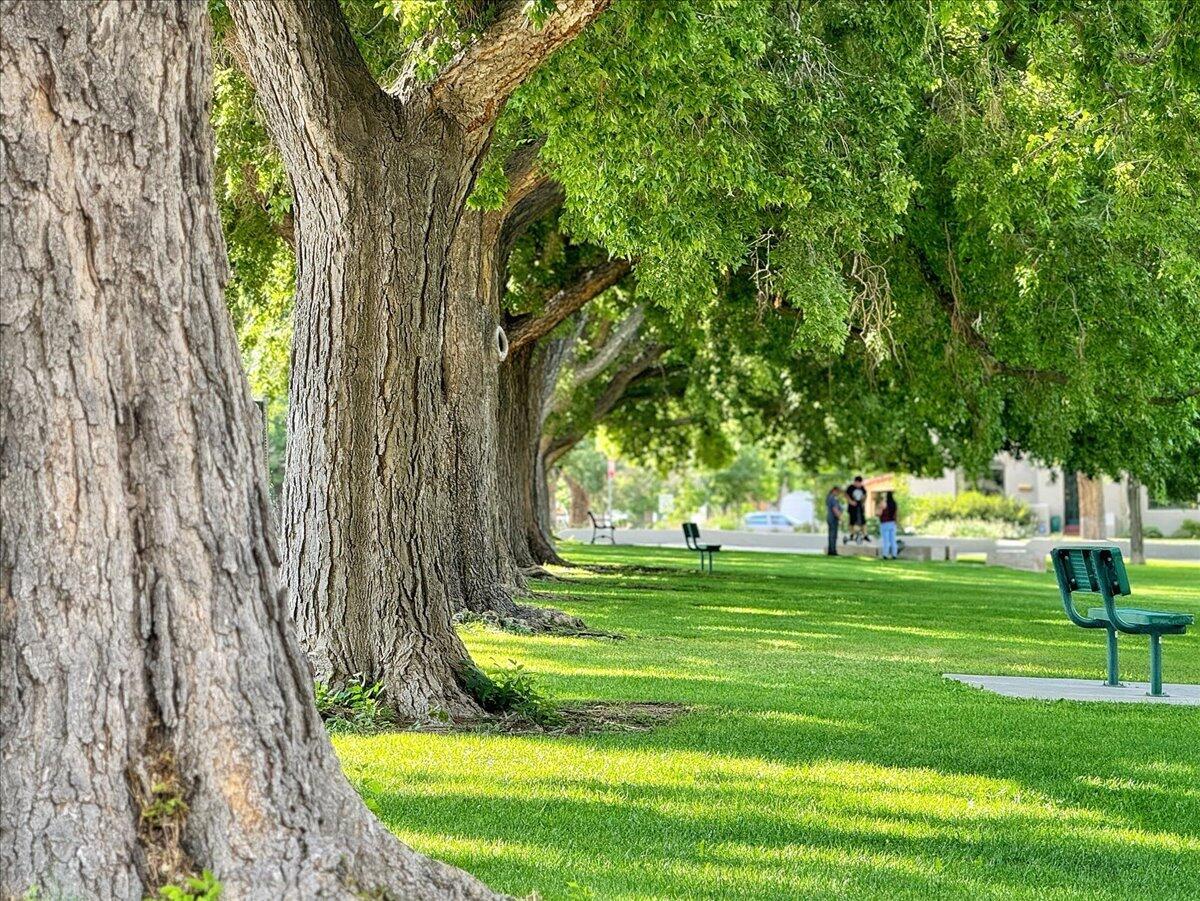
x=947 y=297
x=554 y=447
x=612 y=348
x=1170 y=399
x=476 y=84
x=306 y=71
x=605 y=403
x=554 y=355
x=529 y=328
x=532 y=193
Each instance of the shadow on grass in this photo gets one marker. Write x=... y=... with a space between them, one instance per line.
x=828 y=757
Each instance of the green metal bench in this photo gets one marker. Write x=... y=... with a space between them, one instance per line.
x=691 y=537
x=1099 y=569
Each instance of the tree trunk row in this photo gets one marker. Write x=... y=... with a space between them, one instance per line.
x=156 y=711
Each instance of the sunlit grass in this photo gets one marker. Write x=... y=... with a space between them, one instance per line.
x=824 y=755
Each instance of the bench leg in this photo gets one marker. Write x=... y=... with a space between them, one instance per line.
x=1113 y=675
x=1156 y=664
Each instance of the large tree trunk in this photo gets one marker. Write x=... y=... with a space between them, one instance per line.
x=1091 y=507
x=522 y=481
x=387 y=501
x=157 y=714
x=1137 y=538
x=390 y=508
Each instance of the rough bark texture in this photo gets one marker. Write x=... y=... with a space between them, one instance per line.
x=526 y=385
x=390 y=508
x=522 y=480
x=1091 y=507
x=1137 y=537
x=156 y=711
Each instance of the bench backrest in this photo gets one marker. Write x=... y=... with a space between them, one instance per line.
x=1090 y=567
x=691 y=533
x=592 y=516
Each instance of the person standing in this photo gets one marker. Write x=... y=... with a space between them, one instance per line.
x=887 y=528
x=833 y=513
x=856 y=506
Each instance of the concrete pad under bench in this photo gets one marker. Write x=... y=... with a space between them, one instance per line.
x=1080 y=690
x=925 y=554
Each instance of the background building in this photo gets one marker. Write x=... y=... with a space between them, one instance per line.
x=1051 y=494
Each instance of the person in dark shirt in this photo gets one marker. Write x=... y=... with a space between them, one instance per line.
x=856 y=506
x=887 y=528
x=833 y=513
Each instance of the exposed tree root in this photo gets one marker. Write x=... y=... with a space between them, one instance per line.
x=530 y=620
x=582 y=718
x=539 y=573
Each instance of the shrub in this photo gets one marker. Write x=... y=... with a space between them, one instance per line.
x=1189 y=528
x=970 y=514
x=511 y=690
x=1152 y=532
x=728 y=522
x=355 y=707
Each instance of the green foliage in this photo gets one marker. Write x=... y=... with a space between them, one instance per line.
x=697 y=136
x=511 y=690
x=587 y=466
x=255 y=201
x=970 y=513
x=1152 y=532
x=1189 y=528
x=205 y=887
x=996 y=202
x=353 y=707
x=166 y=803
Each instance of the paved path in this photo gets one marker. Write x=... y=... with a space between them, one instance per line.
x=810 y=543
x=1080 y=690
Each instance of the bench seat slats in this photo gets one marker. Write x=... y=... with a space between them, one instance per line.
x=1137 y=616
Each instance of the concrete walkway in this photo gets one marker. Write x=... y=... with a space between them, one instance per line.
x=1080 y=690
x=810 y=543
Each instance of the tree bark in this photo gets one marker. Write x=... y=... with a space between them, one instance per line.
x=1137 y=538
x=522 y=477
x=526 y=387
x=579 y=505
x=390 y=508
x=157 y=713
x=1091 y=507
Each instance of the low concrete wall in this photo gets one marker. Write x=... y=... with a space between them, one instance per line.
x=811 y=543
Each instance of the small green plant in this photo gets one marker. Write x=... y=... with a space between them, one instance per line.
x=166 y=804
x=513 y=690
x=204 y=887
x=353 y=707
x=1152 y=532
x=1189 y=528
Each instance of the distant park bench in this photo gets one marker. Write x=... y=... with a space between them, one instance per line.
x=691 y=536
x=600 y=526
x=1099 y=569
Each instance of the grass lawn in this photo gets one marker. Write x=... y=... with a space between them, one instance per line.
x=825 y=756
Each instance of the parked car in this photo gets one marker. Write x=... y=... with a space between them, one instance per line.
x=769 y=521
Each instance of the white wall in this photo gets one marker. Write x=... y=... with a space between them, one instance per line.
x=946 y=483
